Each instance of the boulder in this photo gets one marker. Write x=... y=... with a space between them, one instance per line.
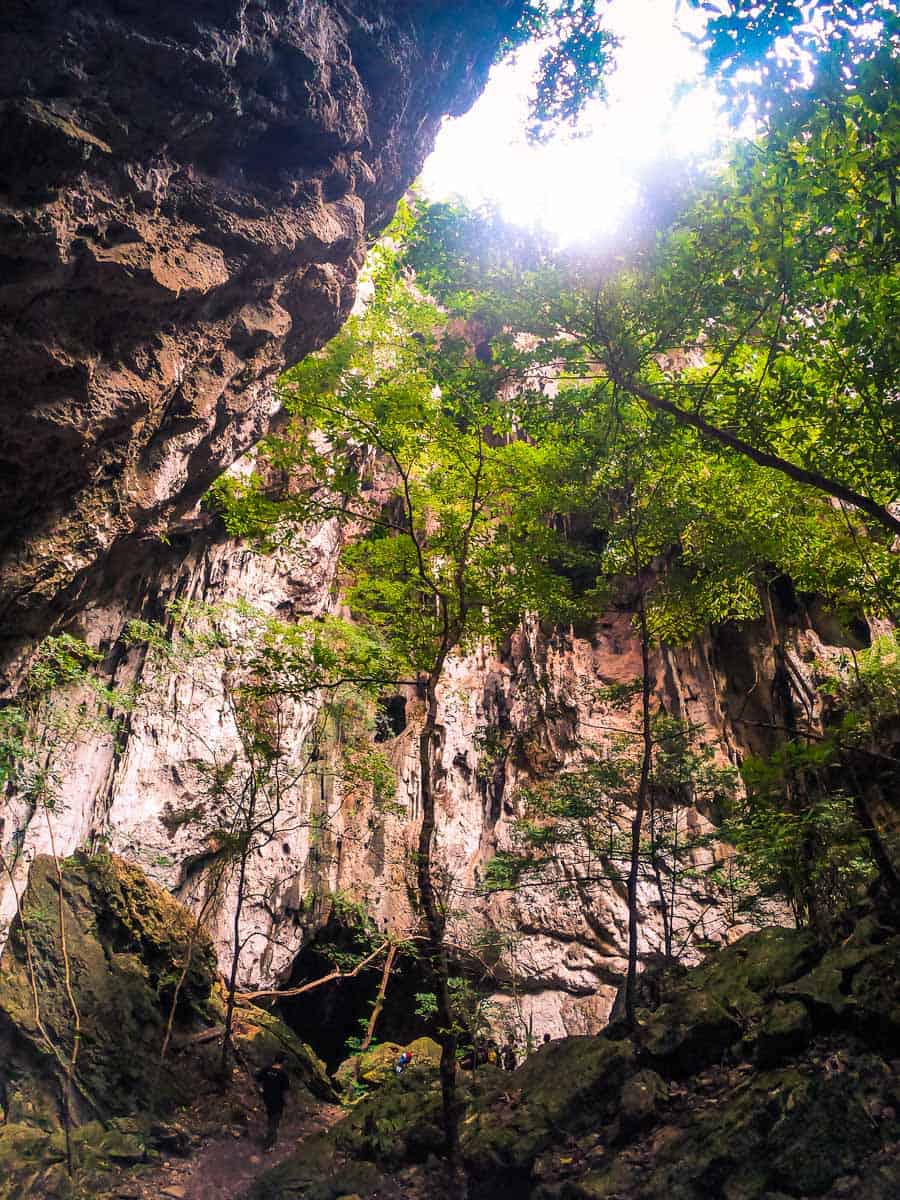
x=785 y=1030
x=855 y=984
x=376 y=1066
x=573 y=1084
x=640 y=1100
x=124 y=938
x=703 y=1013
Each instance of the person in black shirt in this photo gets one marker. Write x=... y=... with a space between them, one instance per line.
x=508 y=1054
x=274 y=1084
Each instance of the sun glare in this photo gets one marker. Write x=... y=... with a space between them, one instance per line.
x=581 y=187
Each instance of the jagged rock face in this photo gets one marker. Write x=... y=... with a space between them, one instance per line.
x=185 y=196
x=537 y=697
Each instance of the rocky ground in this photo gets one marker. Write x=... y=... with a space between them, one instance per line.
x=222 y=1159
x=770 y=1072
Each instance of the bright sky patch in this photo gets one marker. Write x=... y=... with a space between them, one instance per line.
x=580 y=187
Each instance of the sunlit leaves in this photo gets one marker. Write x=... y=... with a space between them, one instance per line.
x=577 y=53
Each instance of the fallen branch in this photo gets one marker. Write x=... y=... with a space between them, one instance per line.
x=286 y=993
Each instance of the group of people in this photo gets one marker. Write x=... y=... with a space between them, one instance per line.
x=487 y=1052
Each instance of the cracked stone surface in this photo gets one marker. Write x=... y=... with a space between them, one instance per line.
x=186 y=192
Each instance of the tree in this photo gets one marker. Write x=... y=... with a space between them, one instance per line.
x=403 y=430
x=766 y=57
x=819 y=854
x=762 y=318
x=577 y=53
x=753 y=344
x=713 y=407
x=575 y=828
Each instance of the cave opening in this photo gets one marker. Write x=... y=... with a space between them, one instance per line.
x=390 y=719
x=327 y=1016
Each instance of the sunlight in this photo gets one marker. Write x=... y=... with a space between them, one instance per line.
x=583 y=186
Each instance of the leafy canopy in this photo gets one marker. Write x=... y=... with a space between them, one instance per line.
x=404 y=433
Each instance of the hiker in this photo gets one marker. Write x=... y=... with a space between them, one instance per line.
x=508 y=1056
x=546 y=1038
x=403 y=1062
x=274 y=1084
x=493 y=1053
x=481 y=1052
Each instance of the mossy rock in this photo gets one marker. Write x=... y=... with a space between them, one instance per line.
x=125 y=938
x=400 y=1123
x=26 y=1159
x=33 y=1161
x=713 y=1005
x=785 y=1031
x=567 y=1087
x=609 y=1184
x=426 y=1053
x=376 y=1066
x=783 y=1130
x=642 y=1095
x=259 y=1036
x=855 y=984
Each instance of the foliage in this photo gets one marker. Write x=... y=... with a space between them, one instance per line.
x=577 y=53
x=575 y=829
x=769 y=297
x=818 y=858
x=473 y=1011
x=62 y=698
x=464 y=548
x=765 y=55
x=818 y=852
x=865 y=690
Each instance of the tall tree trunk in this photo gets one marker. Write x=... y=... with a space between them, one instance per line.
x=667 y=913
x=227 y=1035
x=640 y=808
x=435 y=921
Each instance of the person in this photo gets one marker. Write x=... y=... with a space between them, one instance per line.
x=481 y=1052
x=508 y=1057
x=274 y=1084
x=403 y=1062
x=493 y=1053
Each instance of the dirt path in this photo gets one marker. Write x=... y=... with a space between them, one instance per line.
x=226 y=1164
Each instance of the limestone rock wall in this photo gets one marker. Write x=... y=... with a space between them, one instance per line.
x=186 y=191
x=509 y=715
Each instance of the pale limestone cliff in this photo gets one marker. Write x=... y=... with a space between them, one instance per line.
x=509 y=715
